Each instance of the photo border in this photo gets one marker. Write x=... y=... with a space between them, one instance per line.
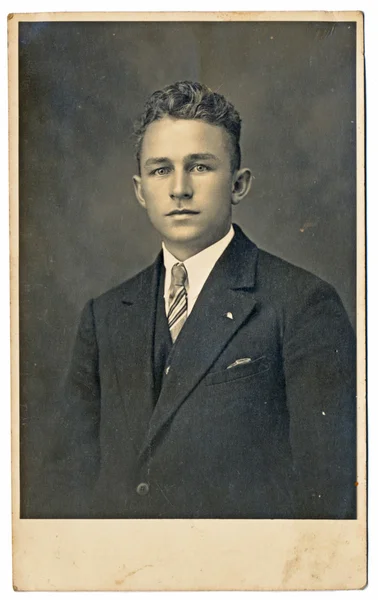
x=185 y=554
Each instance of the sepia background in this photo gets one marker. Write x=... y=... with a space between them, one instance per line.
x=81 y=231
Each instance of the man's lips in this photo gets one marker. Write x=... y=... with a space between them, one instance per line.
x=184 y=211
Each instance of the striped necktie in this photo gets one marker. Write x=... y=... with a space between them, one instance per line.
x=178 y=300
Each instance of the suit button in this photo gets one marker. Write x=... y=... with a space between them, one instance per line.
x=143 y=489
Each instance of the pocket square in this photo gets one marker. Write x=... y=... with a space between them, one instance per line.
x=239 y=361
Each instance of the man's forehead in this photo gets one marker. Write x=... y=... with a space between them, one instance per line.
x=184 y=136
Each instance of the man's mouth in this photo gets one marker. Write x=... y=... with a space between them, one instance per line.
x=183 y=211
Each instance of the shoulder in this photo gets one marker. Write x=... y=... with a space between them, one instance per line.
x=125 y=290
x=290 y=286
x=295 y=295
x=299 y=297
x=273 y=271
x=271 y=275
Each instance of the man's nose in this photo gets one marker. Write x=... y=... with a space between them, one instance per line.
x=181 y=187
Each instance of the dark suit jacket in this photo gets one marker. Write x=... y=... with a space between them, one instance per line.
x=271 y=438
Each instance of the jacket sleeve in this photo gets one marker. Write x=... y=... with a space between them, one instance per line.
x=74 y=463
x=320 y=370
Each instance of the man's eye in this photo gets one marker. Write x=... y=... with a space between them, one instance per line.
x=200 y=168
x=160 y=171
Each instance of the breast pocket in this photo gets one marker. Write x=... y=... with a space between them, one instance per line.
x=239 y=371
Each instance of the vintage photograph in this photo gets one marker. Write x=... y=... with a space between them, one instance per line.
x=189 y=209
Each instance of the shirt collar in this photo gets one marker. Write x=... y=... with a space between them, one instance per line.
x=198 y=266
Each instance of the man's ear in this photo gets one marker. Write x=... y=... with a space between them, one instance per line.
x=242 y=180
x=137 y=181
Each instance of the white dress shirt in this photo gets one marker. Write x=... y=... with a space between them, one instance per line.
x=198 y=268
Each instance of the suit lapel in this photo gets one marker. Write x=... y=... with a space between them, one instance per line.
x=131 y=327
x=224 y=304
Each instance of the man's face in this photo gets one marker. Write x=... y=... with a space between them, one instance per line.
x=186 y=183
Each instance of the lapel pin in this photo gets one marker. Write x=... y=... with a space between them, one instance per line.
x=229 y=315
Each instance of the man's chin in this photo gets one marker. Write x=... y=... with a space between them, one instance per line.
x=183 y=233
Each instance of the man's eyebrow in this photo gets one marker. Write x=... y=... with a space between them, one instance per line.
x=201 y=156
x=156 y=160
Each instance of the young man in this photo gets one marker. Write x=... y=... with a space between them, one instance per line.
x=220 y=381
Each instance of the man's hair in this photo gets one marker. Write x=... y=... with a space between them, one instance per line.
x=191 y=100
